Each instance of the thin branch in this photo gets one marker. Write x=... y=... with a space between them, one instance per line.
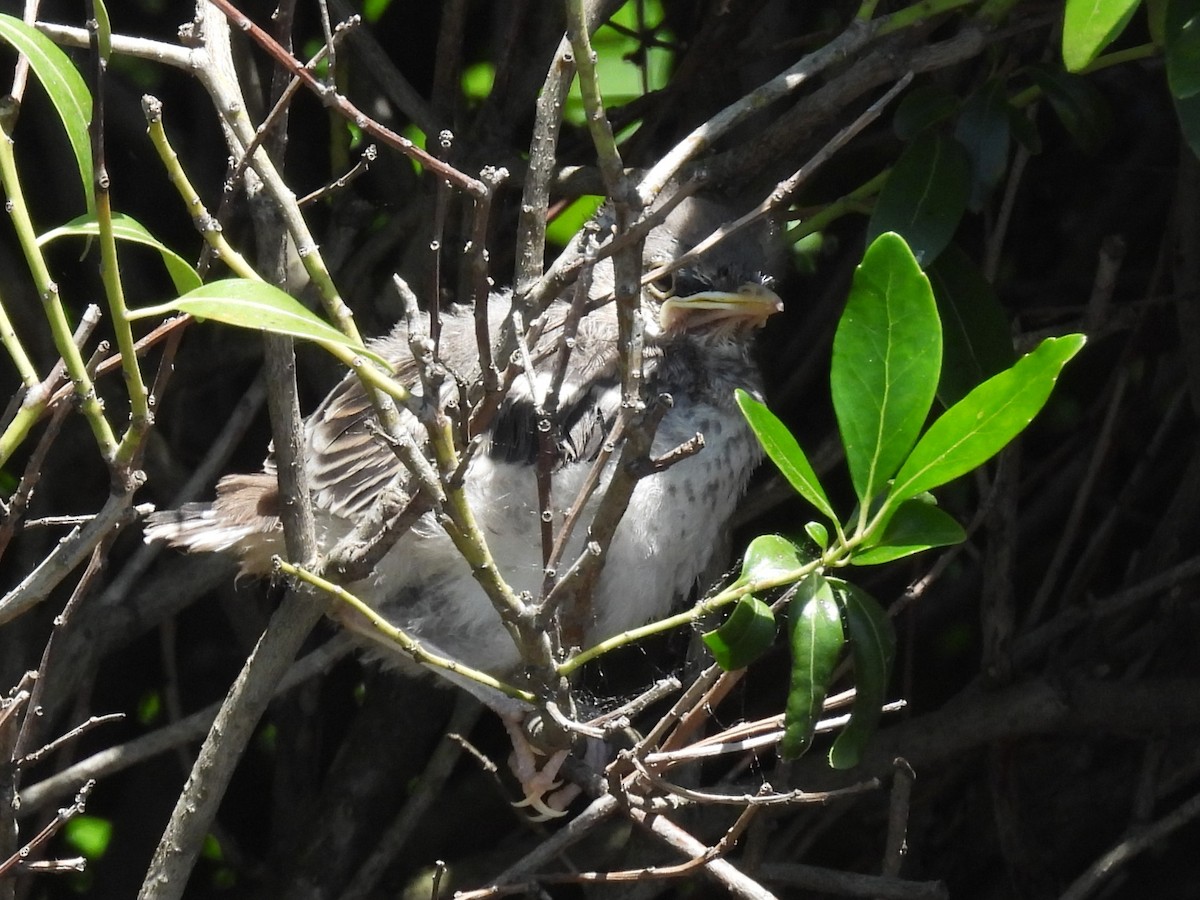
x=856 y=36
x=190 y=728
x=429 y=786
x=117 y=512
x=347 y=109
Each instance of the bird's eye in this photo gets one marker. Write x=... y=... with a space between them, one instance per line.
x=663 y=287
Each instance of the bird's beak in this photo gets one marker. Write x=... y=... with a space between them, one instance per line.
x=751 y=305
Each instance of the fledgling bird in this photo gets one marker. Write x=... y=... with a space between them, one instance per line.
x=700 y=324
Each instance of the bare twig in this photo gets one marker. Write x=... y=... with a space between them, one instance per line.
x=189 y=728
x=345 y=107
x=1103 y=868
x=432 y=782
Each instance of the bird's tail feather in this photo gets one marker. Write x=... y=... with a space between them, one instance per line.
x=242 y=520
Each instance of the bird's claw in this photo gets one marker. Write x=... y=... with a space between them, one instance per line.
x=542 y=789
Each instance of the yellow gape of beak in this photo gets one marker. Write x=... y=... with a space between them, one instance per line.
x=751 y=305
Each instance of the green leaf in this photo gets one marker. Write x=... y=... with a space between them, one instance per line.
x=128 y=229
x=477 y=80
x=570 y=220
x=873 y=649
x=922 y=107
x=1188 y=113
x=975 y=331
x=816 y=638
x=1077 y=102
x=255 y=304
x=103 y=30
x=1182 y=39
x=1091 y=25
x=818 y=533
x=373 y=10
x=627 y=64
x=768 y=557
x=66 y=89
x=784 y=451
x=211 y=848
x=977 y=427
x=887 y=353
x=89 y=835
x=1156 y=21
x=925 y=196
x=983 y=130
x=745 y=636
x=916 y=525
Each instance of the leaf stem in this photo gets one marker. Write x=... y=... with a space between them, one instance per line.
x=729 y=595
x=847 y=203
x=918 y=12
x=1120 y=57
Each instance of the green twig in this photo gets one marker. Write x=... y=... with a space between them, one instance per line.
x=140 y=418
x=600 y=129
x=204 y=221
x=729 y=595
x=1120 y=57
x=918 y=13
x=398 y=637
x=16 y=351
x=993 y=12
x=855 y=201
x=866 y=10
x=60 y=328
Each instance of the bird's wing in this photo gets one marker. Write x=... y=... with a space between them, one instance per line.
x=589 y=397
x=348 y=463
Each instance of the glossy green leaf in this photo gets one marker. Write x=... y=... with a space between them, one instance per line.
x=977 y=341
x=125 y=228
x=887 y=353
x=925 y=196
x=745 y=636
x=873 y=649
x=1156 y=21
x=1091 y=25
x=922 y=107
x=1188 y=113
x=1078 y=104
x=816 y=639
x=103 y=29
x=784 y=451
x=769 y=556
x=66 y=89
x=818 y=533
x=917 y=525
x=1182 y=38
x=983 y=130
x=977 y=427
x=255 y=304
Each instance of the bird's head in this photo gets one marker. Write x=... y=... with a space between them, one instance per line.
x=724 y=293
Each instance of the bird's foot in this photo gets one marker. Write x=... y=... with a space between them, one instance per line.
x=543 y=791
